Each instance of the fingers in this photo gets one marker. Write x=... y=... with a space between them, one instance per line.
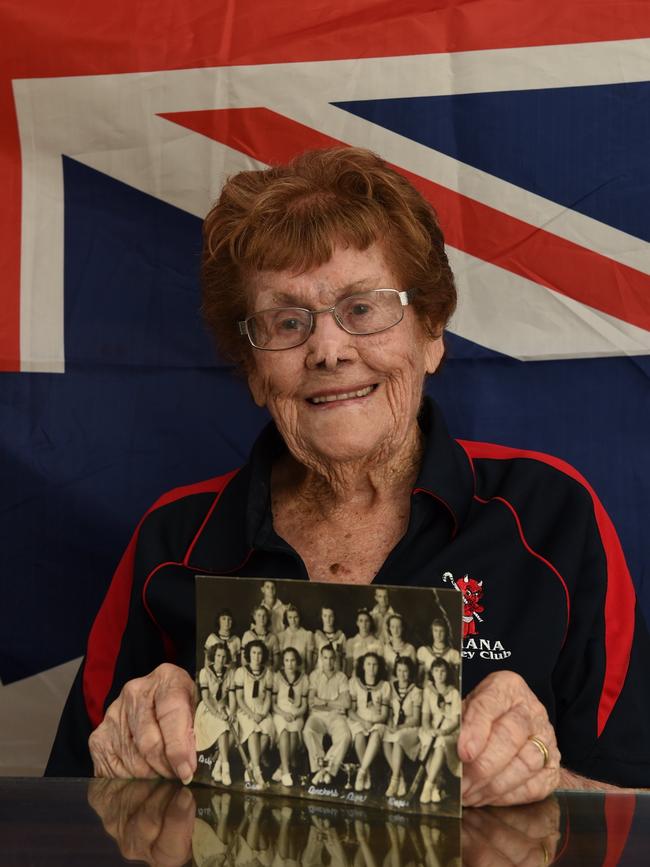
x=150 y=821
x=148 y=730
x=521 y=836
x=502 y=765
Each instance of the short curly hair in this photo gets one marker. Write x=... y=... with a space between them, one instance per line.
x=291 y=217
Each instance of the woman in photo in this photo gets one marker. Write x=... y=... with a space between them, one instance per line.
x=395 y=645
x=215 y=710
x=441 y=705
x=223 y=634
x=260 y=630
x=290 y=690
x=253 y=691
x=331 y=636
x=440 y=648
x=293 y=635
x=363 y=642
x=370 y=696
x=401 y=735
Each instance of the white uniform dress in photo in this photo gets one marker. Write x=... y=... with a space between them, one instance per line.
x=336 y=639
x=443 y=710
x=391 y=654
x=357 y=646
x=208 y=727
x=300 y=639
x=283 y=690
x=427 y=655
x=232 y=642
x=371 y=702
x=256 y=688
x=403 y=705
x=269 y=639
x=322 y=722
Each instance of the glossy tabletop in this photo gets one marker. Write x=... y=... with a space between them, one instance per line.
x=101 y=822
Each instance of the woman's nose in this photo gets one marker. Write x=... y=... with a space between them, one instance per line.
x=329 y=345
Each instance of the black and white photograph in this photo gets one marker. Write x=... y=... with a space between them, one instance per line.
x=330 y=692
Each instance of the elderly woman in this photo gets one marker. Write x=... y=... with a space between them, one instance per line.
x=326 y=282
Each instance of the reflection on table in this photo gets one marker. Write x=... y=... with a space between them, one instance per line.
x=104 y=822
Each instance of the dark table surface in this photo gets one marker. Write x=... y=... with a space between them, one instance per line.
x=101 y=822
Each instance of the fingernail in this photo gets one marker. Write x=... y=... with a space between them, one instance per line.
x=470 y=749
x=185 y=773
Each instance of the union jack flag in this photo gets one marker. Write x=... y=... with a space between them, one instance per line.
x=526 y=125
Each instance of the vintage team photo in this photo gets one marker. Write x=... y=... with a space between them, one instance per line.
x=330 y=691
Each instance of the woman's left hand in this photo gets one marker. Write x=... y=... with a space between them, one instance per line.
x=501 y=764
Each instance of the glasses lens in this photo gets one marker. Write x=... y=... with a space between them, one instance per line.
x=371 y=311
x=280 y=328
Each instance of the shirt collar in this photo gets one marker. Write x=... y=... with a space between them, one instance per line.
x=242 y=517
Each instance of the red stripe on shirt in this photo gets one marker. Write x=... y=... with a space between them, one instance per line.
x=620 y=596
x=107 y=630
x=619 y=812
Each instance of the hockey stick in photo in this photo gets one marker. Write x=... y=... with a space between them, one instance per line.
x=248 y=767
x=417 y=779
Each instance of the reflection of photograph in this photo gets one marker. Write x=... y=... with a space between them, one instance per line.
x=330 y=691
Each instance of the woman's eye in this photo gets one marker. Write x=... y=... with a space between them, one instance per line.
x=291 y=324
x=360 y=309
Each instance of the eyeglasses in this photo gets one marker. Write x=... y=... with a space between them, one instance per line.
x=364 y=313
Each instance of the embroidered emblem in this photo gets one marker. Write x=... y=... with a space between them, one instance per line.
x=484 y=648
x=471 y=591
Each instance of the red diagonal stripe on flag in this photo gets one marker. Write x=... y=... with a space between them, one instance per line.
x=478 y=229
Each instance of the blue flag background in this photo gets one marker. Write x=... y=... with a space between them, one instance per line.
x=112 y=392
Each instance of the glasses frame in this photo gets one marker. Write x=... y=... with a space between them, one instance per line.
x=404 y=295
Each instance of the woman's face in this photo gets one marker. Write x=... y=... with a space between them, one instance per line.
x=402 y=673
x=219 y=659
x=255 y=655
x=328 y=619
x=225 y=624
x=395 y=627
x=261 y=619
x=293 y=619
x=373 y=382
x=363 y=624
x=290 y=664
x=439 y=634
x=439 y=675
x=370 y=669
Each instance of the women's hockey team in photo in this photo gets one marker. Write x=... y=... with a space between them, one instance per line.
x=347 y=698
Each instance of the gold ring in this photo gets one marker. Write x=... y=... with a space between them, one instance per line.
x=545 y=854
x=541 y=746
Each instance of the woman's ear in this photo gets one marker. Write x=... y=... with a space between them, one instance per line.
x=433 y=352
x=256 y=387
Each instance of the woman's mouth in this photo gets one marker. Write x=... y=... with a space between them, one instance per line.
x=335 y=397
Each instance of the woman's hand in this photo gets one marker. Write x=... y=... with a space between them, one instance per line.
x=151 y=821
x=148 y=730
x=501 y=764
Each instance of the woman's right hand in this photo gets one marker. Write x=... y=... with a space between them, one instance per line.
x=148 y=730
